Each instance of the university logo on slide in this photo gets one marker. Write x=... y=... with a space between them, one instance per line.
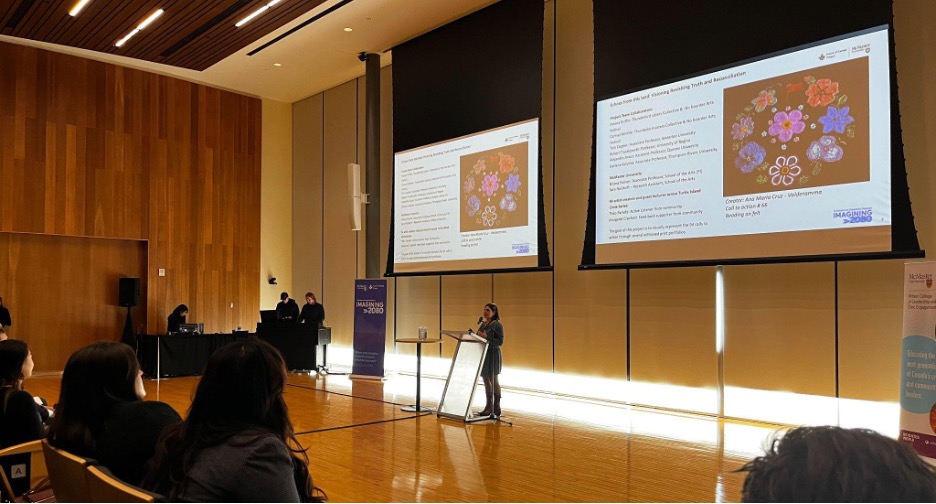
x=854 y=215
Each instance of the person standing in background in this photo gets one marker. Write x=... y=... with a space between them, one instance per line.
x=5 y=320
x=313 y=312
x=287 y=309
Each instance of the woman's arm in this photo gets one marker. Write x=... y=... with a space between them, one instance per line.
x=495 y=333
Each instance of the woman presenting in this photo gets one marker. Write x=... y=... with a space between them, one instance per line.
x=491 y=330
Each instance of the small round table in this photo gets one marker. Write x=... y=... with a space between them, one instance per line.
x=419 y=343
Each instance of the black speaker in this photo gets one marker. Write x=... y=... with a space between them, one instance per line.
x=129 y=292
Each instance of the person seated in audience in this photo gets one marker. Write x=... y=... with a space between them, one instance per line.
x=101 y=413
x=832 y=464
x=5 y=319
x=237 y=443
x=21 y=417
x=177 y=318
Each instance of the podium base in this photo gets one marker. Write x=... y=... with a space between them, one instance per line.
x=488 y=417
x=413 y=409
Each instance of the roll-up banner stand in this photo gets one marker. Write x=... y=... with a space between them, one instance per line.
x=370 y=328
x=918 y=360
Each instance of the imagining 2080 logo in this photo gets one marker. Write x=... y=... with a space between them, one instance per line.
x=854 y=215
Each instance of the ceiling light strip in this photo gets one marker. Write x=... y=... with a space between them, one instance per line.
x=146 y=22
x=301 y=25
x=78 y=7
x=256 y=13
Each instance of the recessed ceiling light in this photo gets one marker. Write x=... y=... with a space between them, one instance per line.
x=277 y=65
x=77 y=8
x=348 y=29
x=146 y=22
x=256 y=13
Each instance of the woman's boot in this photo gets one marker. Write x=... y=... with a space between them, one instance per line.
x=488 y=406
x=496 y=411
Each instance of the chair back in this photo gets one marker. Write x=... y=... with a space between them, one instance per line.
x=67 y=472
x=22 y=468
x=105 y=487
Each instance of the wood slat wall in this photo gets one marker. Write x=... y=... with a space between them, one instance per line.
x=62 y=291
x=92 y=149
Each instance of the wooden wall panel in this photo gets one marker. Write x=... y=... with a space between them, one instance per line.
x=62 y=292
x=93 y=149
x=589 y=307
x=780 y=328
x=463 y=299
x=870 y=328
x=340 y=255
x=418 y=304
x=525 y=303
x=308 y=209
x=673 y=327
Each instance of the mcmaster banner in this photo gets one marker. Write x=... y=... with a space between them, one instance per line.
x=370 y=327
x=918 y=360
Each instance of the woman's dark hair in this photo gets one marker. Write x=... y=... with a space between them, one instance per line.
x=179 y=310
x=832 y=464
x=96 y=377
x=241 y=391
x=493 y=308
x=13 y=354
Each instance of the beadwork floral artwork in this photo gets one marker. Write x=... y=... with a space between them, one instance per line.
x=494 y=187
x=800 y=130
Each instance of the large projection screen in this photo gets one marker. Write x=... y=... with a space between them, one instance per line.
x=468 y=204
x=784 y=156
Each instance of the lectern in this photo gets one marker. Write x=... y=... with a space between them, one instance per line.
x=463 y=376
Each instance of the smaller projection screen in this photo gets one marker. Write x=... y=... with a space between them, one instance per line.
x=468 y=204
x=785 y=156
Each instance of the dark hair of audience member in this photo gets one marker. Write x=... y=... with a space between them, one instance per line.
x=13 y=354
x=832 y=464
x=240 y=391
x=95 y=378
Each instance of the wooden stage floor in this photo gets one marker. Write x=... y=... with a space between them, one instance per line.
x=362 y=448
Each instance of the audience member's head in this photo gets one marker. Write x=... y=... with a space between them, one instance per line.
x=310 y=297
x=832 y=464
x=241 y=391
x=95 y=378
x=284 y=296
x=16 y=364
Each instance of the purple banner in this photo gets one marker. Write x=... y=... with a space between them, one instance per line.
x=370 y=327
